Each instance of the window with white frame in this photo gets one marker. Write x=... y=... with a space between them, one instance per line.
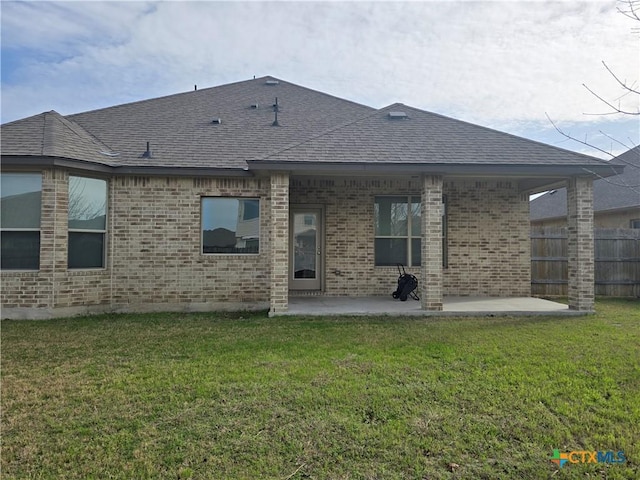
x=87 y=222
x=230 y=225
x=20 y=206
x=398 y=237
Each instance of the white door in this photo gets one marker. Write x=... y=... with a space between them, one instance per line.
x=305 y=265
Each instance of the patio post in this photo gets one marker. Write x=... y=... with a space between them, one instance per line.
x=580 y=250
x=279 y=244
x=431 y=261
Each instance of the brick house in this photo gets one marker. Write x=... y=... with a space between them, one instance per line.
x=241 y=195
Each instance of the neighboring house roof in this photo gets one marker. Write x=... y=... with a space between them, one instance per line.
x=21 y=210
x=315 y=129
x=219 y=237
x=614 y=193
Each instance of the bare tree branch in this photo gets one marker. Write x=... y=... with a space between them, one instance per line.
x=571 y=137
x=632 y=8
x=619 y=141
x=606 y=102
x=81 y=208
x=602 y=114
x=623 y=84
x=622 y=183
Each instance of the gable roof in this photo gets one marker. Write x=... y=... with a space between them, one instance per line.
x=315 y=130
x=613 y=193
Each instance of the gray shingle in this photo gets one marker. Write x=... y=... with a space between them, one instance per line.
x=424 y=138
x=315 y=128
x=180 y=129
x=50 y=134
x=620 y=191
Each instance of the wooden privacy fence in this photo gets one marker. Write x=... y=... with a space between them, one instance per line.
x=617 y=261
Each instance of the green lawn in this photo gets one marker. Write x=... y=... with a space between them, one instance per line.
x=244 y=396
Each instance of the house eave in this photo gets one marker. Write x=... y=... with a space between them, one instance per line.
x=449 y=169
x=538 y=176
x=31 y=162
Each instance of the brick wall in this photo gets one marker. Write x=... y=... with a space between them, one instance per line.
x=349 y=231
x=153 y=253
x=156 y=245
x=489 y=246
x=37 y=294
x=154 y=259
x=488 y=235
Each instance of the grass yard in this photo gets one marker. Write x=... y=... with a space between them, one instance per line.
x=242 y=396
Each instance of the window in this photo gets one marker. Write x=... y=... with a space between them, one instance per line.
x=20 y=205
x=87 y=222
x=230 y=225
x=635 y=223
x=397 y=231
x=398 y=237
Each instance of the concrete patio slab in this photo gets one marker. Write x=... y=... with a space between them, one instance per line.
x=453 y=306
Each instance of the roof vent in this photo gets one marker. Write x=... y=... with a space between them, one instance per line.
x=271 y=82
x=147 y=153
x=255 y=106
x=397 y=115
x=276 y=109
x=216 y=120
x=109 y=154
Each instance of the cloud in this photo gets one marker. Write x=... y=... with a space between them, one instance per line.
x=66 y=28
x=501 y=64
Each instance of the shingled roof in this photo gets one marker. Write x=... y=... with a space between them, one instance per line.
x=230 y=129
x=403 y=135
x=614 y=193
x=180 y=128
x=49 y=134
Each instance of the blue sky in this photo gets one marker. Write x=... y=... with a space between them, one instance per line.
x=502 y=64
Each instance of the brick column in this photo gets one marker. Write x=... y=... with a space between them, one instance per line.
x=55 y=214
x=580 y=243
x=279 y=244
x=431 y=270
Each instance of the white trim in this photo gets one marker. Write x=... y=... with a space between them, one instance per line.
x=321 y=240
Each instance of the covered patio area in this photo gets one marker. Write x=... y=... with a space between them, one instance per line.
x=452 y=306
